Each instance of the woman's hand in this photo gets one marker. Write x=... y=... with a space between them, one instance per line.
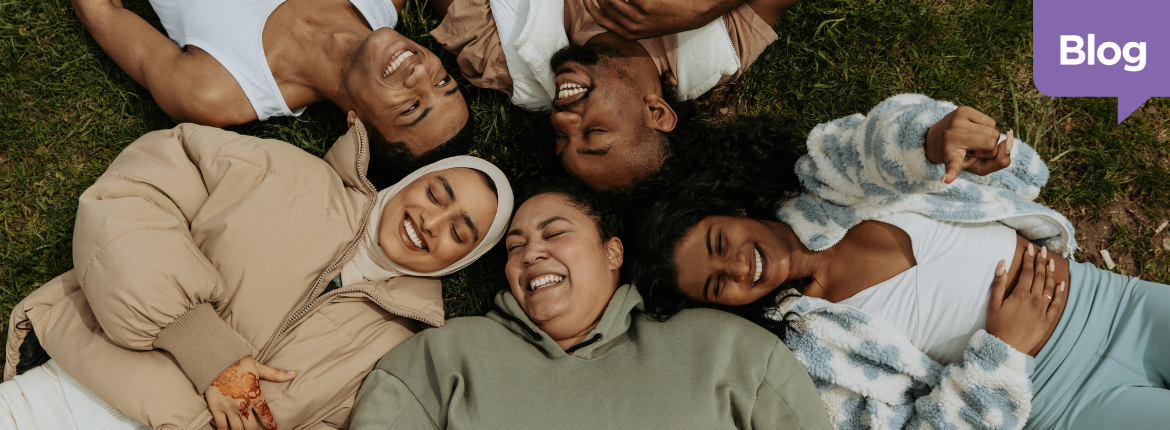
x=235 y=394
x=966 y=139
x=1022 y=319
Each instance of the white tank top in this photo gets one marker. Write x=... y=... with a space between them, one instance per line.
x=939 y=303
x=231 y=31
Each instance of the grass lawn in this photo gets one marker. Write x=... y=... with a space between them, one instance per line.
x=66 y=110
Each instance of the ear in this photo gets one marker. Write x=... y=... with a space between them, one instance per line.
x=615 y=252
x=661 y=116
x=351 y=118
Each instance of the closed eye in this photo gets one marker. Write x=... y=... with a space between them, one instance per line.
x=455 y=233
x=554 y=234
x=431 y=195
x=514 y=247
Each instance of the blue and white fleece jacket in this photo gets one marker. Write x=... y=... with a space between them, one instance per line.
x=869 y=375
x=865 y=167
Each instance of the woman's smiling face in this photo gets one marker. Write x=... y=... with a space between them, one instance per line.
x=437 y=219
x=560 y=269
x=730 y=260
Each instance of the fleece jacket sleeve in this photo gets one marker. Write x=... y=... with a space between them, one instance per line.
x=859 y=159
x=385 y=402
x=143 y=274
x=989 y=389
x=786 y=398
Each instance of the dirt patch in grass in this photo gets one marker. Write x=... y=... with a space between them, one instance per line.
x=722 y=103
x=1096 y=234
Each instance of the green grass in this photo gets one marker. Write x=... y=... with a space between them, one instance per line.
x=66 y=111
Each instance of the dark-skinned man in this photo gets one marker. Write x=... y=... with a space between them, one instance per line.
x=609 y=70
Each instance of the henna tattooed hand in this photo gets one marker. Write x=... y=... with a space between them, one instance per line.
x=235 y=394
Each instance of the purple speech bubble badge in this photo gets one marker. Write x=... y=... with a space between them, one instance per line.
x=1119 y=48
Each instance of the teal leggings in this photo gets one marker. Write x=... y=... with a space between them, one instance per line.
x=1107 y=365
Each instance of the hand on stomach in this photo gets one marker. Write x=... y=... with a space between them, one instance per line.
x=1028 y=299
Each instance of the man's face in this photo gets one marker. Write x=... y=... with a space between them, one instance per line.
x=402 y=89
x=600 y=120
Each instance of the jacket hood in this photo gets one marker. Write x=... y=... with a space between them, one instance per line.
x=610 y=332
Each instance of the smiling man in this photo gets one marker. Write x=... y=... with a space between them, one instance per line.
x=229 y=62
x=611 y=96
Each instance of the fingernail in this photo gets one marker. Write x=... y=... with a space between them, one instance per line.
x=1011 y=141
x=999 y=270
x=1031 y=251
x=1051 y=265
x=1061 y=287
x=1043 y=252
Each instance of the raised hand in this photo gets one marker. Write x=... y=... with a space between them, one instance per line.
x=966 y=139
x=235 y=395
x=1022 y=318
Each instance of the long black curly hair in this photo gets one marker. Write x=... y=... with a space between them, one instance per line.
x=744 y=167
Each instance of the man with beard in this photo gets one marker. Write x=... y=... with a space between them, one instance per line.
x=230 y=62
x=610 y=96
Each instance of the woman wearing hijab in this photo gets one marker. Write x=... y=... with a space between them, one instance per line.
x=239 y=281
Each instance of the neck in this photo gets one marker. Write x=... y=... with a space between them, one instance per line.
x=803 y=262
x=572 y=341
x=312 y=45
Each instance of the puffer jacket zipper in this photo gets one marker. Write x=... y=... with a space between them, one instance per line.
x=309 y=303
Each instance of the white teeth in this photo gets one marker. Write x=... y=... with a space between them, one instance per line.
x=544 y=281
x=569 y=89
x=759 y=266
x=410 y=232
x=398 y=59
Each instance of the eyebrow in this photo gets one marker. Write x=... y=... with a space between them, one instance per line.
x=424 y=114
x=427 y=111
x=589 y=151
x=471 y=225
x=707 y=284
x=543 y=224
x=447 y=186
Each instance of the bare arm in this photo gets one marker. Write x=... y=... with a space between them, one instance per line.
x=771 y=10
x=188 y=85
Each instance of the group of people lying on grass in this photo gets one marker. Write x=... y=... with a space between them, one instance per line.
x=609 y=72
x=898 y=275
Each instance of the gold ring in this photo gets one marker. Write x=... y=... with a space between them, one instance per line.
x=1048 y=296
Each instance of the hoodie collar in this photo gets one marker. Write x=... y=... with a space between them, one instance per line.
x=611 y=331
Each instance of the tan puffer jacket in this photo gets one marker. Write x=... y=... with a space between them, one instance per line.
x=198 y=247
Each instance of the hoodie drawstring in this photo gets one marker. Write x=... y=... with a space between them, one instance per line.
x=536 y=337
x=586 y=343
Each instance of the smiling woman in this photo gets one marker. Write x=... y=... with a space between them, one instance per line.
x=191 y=292
x=568 y=337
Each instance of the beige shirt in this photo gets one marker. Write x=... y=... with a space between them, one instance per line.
x=469 y=32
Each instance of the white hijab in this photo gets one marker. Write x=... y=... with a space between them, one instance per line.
x=370 y=263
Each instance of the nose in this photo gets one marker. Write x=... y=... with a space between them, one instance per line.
x=432 y=222
x=737 y=267
x=566 y=121
x=534 y=252
x=419 y=74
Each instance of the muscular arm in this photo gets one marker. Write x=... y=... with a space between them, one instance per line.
x=188 y=85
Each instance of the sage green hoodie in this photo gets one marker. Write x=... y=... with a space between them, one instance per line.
x=702 y=369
